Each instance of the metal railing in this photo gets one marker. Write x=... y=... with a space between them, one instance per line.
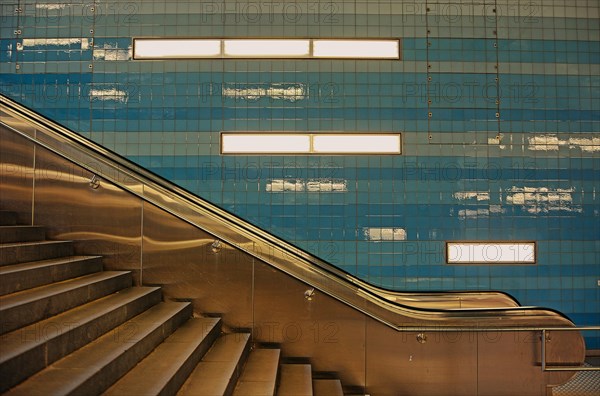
x=546 y=367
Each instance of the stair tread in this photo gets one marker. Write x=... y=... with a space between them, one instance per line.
x=327 y=387
x=30 y=349
x=20 y=227
x=259 y=375
x=67 y=374
x=25 y=307
x=20 y=252
x=24 y=276
x=42 y=292
x=31 y=265
x=8 y=217
x=213 y=374
x=23 y=226
x=33 y=243
x=153 y=374
x=296 y=380
x=29 y=337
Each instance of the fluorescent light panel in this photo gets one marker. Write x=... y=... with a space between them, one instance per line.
x=146 y=48
x=175 y=48
x=339 y=143
x=490 y=252
x=267 y=48
x=356 y=49
x=251 y=143
x=308 y=143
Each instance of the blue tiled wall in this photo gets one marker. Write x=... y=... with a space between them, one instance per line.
x=497 y=101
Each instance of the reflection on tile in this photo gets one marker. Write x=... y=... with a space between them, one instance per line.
x=384 y=234
x=472 y=195
x=553 y=142
x=543 y=199
x=311 y=185
x=273 y=91
x=56 y=42
x=109 y=52
x=110 y=94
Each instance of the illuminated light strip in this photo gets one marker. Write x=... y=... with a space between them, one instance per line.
x=252 y=143
x=491 y=252
x=359 y=49
x=189 y=48
x=175 y=48
x=310 y=143
x=266 y=48
x=357 y=144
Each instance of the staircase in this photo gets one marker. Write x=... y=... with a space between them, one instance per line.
x=68 y=327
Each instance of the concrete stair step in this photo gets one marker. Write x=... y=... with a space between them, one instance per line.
x=259 y=375
x=295 y=380
x=8 y=218
x=30 y=349
x=17 y=277
x=21 y=233
x=327 y=387
x=164 y=370
x=15 y=253
x=93 y=368
x=29 y=306
x=218 y=371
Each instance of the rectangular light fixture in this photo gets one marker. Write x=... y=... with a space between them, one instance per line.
x=273 y=143
x=221 y=48
x=267 y=48
x=309 y=143
x=175 y=48
x=346 y=143
x=490 y=252
x=357 y=49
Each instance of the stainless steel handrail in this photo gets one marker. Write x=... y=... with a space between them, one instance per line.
x=342 y=286
x=546 y=367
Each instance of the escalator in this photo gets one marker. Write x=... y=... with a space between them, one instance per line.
x=319 y=318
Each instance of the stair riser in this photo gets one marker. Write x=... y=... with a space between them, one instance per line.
x=72 y=336
x=16 y=254
x=27 y=279
x=22 y=315
x=8 y=218
x=21 y=234
x=108 y=375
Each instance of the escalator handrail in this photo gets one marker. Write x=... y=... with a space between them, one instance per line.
x=280 y=254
